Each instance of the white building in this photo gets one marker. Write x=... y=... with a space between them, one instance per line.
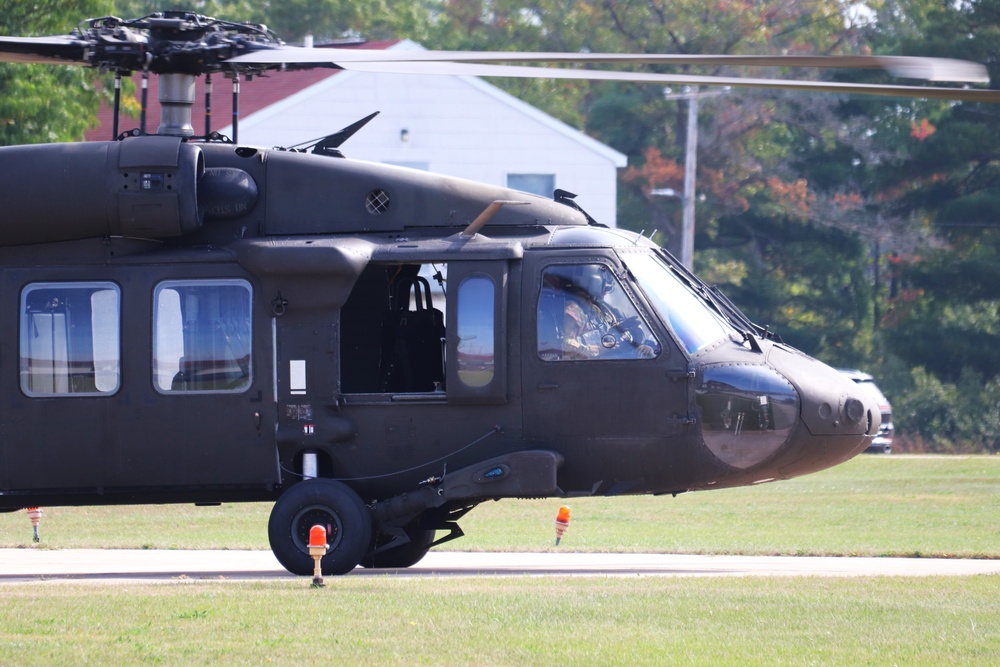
x=458 y=126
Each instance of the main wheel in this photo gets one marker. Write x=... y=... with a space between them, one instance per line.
x=404 y=555
x=330 y=504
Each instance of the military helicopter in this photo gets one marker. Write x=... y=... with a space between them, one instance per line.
x=200 y=321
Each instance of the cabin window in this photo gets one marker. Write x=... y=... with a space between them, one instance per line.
x=201 y=336
x=70 y=342
x=476 y=349
x=584 y=314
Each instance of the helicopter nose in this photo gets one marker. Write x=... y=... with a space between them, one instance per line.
x=786 y=417
x=839 y=420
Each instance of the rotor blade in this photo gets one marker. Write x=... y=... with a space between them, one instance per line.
x=913 y=67
x=59 y=49
x=468 y=69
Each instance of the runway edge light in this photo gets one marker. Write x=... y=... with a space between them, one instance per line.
x=35 y=514
x=317 y=549
x=562 y=522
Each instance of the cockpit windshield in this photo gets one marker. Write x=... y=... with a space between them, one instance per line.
x=689 y=315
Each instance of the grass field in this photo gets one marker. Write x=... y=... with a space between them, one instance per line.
x=508 y=621
x=942 y=506
x=872 y=505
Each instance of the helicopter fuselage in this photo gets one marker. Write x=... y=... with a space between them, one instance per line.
x=211 y=323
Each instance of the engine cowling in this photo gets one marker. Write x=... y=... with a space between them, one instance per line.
x=141 y=187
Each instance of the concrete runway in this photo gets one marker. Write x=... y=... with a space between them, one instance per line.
x=110 y=565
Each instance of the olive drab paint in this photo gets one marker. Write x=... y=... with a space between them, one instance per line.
x=373 y=349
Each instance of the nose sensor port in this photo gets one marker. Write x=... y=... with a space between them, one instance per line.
x=854 y=410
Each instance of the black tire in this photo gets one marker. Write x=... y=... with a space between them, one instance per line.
x=404 y=555
x=330 y=504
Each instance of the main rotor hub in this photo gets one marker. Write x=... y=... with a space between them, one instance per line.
x=178 y=45
x=173 y=43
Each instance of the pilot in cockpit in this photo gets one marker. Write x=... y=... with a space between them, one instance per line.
x=583 y=315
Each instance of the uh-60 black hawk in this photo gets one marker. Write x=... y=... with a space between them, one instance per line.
x=191 y=320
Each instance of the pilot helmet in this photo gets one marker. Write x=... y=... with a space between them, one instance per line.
x=595 y=279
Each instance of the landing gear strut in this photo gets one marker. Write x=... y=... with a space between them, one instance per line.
x=403 y=555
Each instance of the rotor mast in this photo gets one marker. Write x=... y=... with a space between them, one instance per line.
x=176 y=96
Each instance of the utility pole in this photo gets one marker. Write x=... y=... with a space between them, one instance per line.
x=690 y=167
x=692 y=95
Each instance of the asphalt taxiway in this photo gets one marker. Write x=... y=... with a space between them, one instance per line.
x=33 y=564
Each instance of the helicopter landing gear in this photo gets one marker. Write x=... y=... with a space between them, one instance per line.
x=330 y=504
x=402 y=555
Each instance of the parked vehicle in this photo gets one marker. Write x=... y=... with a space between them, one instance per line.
x=883 y=439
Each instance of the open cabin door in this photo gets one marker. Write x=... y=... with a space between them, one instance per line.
x=423 y=382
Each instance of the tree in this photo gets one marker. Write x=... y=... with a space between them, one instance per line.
x=293 y=20
x=46 y=103
x=755 y=205
x=377 y=19
x=930 y=169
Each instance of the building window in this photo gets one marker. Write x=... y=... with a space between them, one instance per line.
x=536 y=184
x=70 y=342
x=201 y=336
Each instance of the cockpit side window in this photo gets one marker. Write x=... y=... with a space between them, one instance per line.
x=584 y=314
